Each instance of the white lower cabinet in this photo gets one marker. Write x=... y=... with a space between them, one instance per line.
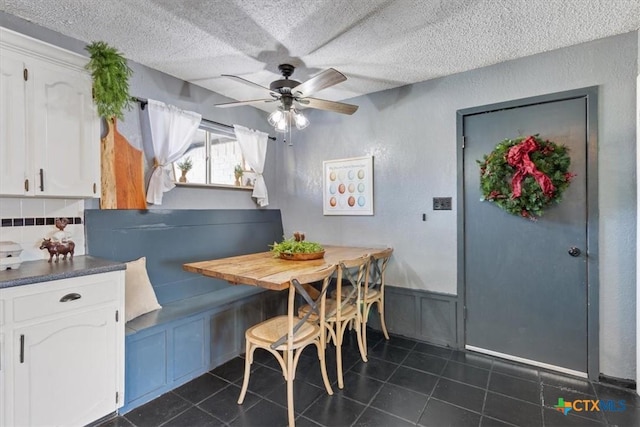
x=64 y=351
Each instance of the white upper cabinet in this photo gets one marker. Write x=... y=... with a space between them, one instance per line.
x=13 y=140
x=50 y=142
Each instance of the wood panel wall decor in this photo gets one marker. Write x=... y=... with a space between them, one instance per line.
x=122 y=172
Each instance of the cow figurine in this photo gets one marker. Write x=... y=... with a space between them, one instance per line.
x=57 y=249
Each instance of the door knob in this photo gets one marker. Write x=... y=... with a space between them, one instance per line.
x=573 y=251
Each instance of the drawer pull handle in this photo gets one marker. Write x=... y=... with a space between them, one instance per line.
x=70 y=297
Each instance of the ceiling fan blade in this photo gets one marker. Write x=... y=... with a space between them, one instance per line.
x=323 y=80
x=250 y=83
x=240 y=103
x=323 y=104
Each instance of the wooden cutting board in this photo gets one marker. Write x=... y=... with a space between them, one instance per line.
x=122 y=172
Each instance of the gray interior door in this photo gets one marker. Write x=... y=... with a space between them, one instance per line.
x=525 y=295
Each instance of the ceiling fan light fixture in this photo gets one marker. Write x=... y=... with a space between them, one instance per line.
x=300 y=120
x=275 y=117
x=282 y=125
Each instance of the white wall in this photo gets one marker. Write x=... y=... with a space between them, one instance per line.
x=411 y=132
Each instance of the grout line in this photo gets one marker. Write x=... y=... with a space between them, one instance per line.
x=376 y=394
x=541 y=398
x=181 y=412
x=513 y=397
x=436 y=399
x=499 y=420
x=486 y=393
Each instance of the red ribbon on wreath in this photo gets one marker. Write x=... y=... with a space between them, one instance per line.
x=518 y=157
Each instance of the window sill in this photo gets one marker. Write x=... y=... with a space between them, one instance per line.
x=225 y=186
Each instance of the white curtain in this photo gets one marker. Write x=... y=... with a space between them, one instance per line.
x=253 y=144
x=172 y=131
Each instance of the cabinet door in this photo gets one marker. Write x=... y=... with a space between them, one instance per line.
x=65 y=370
x=63 y=129
x=13 y=152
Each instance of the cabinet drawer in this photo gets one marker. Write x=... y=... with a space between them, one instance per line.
x=65 y=296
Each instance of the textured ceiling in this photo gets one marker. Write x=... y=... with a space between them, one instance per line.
x=377 y=44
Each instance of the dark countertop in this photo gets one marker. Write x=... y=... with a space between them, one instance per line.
x=41 y=271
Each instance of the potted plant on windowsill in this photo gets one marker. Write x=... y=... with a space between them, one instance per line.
x=184 y=166
x=238 y=172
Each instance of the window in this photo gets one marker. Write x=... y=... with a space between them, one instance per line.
x=215 y=158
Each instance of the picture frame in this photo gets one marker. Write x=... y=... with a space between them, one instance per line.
x=347 y=186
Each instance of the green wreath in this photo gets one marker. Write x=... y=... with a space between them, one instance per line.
x=525 y=175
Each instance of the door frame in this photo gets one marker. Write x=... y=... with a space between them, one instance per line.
x=593 y=285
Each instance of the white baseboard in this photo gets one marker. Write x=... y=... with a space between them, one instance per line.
x=527 y=361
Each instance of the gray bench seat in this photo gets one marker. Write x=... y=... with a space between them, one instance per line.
x=180 y=309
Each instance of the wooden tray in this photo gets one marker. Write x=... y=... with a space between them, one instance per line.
x=302 y=257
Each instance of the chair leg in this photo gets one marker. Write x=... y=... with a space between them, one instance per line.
x=363 y=326
x=382 y=322
x=289 y=378
x=247 y=371
x=362 y=343
x=331 y=333
x=323 y=368
x=339 y=337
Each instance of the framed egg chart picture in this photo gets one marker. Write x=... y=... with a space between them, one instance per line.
x=348 y=186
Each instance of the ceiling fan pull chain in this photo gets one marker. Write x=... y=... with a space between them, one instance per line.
x=290 y=140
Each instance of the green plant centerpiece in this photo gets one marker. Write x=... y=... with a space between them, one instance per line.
x=297 y=249
x=184 y=166
x=110 y=74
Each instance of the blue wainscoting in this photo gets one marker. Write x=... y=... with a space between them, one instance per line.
x=422 y=315
x=202 y=322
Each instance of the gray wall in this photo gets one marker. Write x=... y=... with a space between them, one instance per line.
x=411 y=131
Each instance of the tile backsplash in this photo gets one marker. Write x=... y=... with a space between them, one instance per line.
x=27 y=221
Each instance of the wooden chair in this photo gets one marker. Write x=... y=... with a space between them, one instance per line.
x=373 y=292
x=286 y=336
x=350 y=281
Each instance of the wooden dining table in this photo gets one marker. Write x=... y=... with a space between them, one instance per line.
x=266 y=271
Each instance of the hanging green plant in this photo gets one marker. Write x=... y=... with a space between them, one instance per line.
x=525 y=175
x=110 y=74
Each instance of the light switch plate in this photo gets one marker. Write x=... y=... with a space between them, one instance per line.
x=442 y=203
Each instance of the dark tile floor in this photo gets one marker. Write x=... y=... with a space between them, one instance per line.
x=405 y=383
